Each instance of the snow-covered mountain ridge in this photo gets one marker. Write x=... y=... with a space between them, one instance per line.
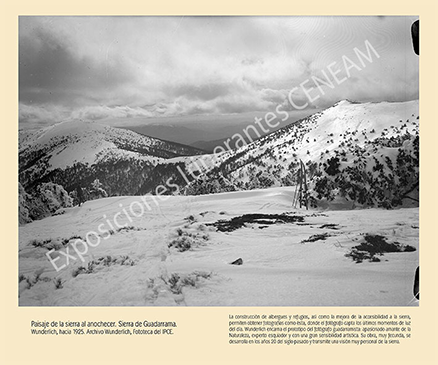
x=356 y=154
x=366 y=153
x=73 y=153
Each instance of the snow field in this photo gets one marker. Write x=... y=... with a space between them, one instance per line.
x=136 y=267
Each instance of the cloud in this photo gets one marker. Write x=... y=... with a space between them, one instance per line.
x=203 y=92
x=123 y=67
x=51 y=72
x=31 y=116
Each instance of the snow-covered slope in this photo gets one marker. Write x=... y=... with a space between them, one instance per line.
x=78 y=152
x=172 y=255
x=369 y=145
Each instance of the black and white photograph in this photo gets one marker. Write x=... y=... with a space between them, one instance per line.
x=218 y=161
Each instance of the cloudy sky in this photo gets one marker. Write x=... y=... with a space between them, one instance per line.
x=96 y=68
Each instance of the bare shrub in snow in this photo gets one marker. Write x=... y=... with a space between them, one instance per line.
x=102 y=262
x=176 y=282
x=186 y=240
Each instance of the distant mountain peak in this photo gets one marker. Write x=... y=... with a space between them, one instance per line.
x=70 y=152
